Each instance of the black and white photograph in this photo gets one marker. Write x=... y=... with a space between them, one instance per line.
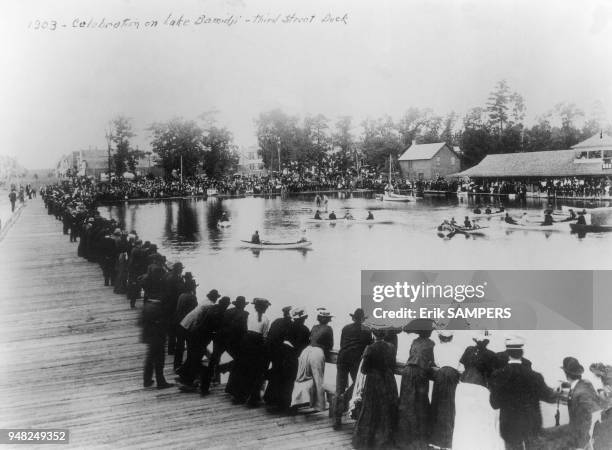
x=306 y=224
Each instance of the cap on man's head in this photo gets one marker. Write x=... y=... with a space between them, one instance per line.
x=514 y=342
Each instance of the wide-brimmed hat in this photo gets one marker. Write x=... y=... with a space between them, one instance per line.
x=240 y=301
x=286 y=309
x=117 y=232
x=177 y=265
x=323 y=312
x=261 y=301
x=213 y=295
x=298 y=313
x=571 y=366
x=445 y=333
x=358 y=314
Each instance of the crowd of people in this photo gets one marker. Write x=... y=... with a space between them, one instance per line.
x=448 y=396
x=568 y=187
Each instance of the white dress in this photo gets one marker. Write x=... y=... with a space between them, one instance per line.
x=476 y=423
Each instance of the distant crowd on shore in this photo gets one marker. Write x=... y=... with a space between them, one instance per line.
x=558 y=187
x=477 y=396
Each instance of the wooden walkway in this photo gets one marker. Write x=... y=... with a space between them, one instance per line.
x=71 y=358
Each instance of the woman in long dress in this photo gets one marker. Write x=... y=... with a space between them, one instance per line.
x=377 y=418
x=476 y=423
x=414 y=408
x=247 y=375
x=308 y=387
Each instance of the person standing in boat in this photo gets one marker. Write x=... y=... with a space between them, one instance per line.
x=581 y=218
x=255 y=238
x=548 y=219
x=318 y=200
x=325 y=202
x=308 y=387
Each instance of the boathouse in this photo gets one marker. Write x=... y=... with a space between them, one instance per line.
x=428 y=161
x=590 y=158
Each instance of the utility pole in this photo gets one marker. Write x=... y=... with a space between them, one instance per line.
x=278 y=143
x=109 y=137
x=181 y=169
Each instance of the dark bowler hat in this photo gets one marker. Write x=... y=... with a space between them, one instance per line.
x=177 y=265
x=213 y=295
x=240 y=301
x=358 y=314
x=286 y=309
x=571 y=366
x=261 y=301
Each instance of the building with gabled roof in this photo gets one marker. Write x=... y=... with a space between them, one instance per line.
x=428 y=161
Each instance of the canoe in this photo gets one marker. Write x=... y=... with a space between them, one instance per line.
x=488 y=216
x=265 y=245
x=577 y=228
x=225 y=224
x=311 y=220
x=462 y=230
x=366 y=221
x=559 y=226
x=391 y=197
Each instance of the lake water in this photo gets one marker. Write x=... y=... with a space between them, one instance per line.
x=329 y=274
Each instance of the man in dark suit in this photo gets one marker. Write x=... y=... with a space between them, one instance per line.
x=582 y=402
x=353 y=341
x=516 y=391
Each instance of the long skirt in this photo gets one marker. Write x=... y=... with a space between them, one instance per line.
x=476 y=423
x=377 y=418
x=248 y=371
x=281 y=376
x=443 y=407
x=413 y=412
x=308 y=387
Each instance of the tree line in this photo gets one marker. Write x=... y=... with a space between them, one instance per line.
x=316 y=143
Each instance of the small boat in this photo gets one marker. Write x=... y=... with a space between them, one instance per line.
x=224 y=224
x=276 y=245
x=366 y=221
x=392 y=197
x=558 y=226
x=581 y=228
x=474 y=231
x=313 y=220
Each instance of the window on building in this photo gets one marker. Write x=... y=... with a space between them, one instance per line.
x=437 y=160
x=452 y=160
x=595 y=154
x=607 y=153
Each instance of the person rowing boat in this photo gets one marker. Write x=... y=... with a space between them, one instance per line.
x=332 y=216
x=510 y=220
x=255 y=238
x=370 y=216
x=317 y=215
x=347 y=215
x=467 y=223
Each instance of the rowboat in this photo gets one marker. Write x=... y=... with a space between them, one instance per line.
x=580 y=228
x=266 y=245
x=558 y=226
x=392 y=197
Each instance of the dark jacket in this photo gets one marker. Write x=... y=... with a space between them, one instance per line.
x=353 y=341
x=516 y=391
x=582 y=402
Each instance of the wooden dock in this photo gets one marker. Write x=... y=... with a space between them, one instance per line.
x=71 y=359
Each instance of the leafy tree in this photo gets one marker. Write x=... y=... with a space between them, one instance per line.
x=380 y=139
x=220 y=156
x=410 y=124
x=278 y=133
x=343 y=139
x=176 y=138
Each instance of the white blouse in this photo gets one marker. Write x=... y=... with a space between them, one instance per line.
x=258 y=327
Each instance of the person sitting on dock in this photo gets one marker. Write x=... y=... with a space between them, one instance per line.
x=332 y=216
x=255 y=238
x=548 y=219
x=510 y=220
x=370 y=216
x=467 y=223
x=581 y=218
x=317 y=215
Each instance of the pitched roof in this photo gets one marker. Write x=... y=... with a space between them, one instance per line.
x=598 y=141
x=421 y=151
x=534 y=164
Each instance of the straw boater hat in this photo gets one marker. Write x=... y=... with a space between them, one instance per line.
x=445 y=333
x=298 y=313
x=323 y=312
x=514 y=342
x=480 y=336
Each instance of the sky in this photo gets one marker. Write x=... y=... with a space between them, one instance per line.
x=59 y=89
